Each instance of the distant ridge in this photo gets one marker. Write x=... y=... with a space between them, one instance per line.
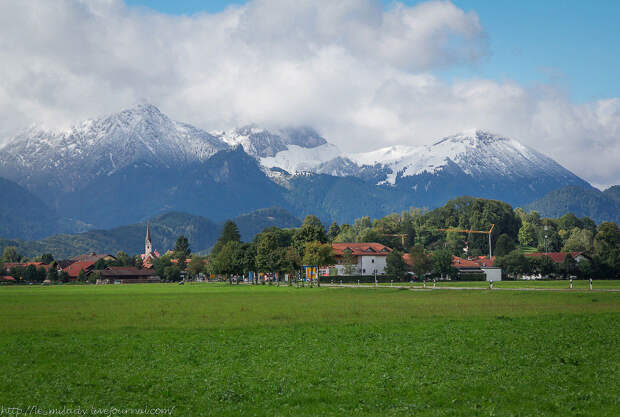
x=590 y=202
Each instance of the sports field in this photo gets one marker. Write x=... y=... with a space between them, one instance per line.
x=208 y=349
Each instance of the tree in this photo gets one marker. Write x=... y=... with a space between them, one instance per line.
x=122 y=259
x=569 y=265
x=230 y=233
x=310 y=231
x=395 y=265
x=514 y=263
x=291 y=262
x=52 y=274
x=10 y=254
x=527 y=235
x=318 y=254
x=30 y=273
x=100 y=264
x=267 y=255
x=349 y=261
x=63 y=276
x=229 y=260
x=196 y=266
x=82 y=276
x=420 y=261
x=442 y=263
x=580 y=240
x=94 y=277
x=41 y=274
x=47 y=258
x=504 y=245
x=333 y=231
x=181 y=251
x=172 y=273
x=584 y=269
x=544 y=265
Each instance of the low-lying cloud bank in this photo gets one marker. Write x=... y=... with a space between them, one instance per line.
x=361 y=74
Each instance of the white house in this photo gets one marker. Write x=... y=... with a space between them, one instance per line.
x=369 y=258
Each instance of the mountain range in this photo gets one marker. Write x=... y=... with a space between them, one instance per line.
x=130 y=166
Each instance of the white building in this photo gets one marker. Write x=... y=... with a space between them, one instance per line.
x=369 y=258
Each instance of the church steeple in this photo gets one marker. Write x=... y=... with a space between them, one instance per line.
x=148 y=246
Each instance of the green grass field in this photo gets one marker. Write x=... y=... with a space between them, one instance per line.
x=554 y=284
x=216 y=350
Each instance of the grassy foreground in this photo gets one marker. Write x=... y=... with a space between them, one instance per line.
x=242 y=350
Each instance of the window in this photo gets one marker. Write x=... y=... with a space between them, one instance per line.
x=373 y=261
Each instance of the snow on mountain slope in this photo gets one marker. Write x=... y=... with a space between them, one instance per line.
x=262 y=143
x=70 y=158
x=297 y=159
x=477 y=153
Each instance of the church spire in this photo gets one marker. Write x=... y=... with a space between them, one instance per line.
x=148 y=232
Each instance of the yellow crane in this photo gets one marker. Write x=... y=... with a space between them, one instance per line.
x=401 y=235
x=483 y=232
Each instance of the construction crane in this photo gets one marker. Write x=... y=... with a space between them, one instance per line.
x=401 y=235
x=483 y=232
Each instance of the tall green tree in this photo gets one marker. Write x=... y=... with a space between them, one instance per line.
x=442 y=263
x=349 y=261
x=333 y=232
x=310 y=231
x=181 y=251
x=10 y=254
x=420 y=261
x=230 y=233
x=504 y=245
x=395 y=265
x=318 y=254
x=527 y=235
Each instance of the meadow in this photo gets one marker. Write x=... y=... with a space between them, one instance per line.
x=209 y=349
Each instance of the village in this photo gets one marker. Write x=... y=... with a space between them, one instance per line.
x=345 y=261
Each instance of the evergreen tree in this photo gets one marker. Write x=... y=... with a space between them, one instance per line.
x=333 y=231
x=230 y=233
x=181 y=251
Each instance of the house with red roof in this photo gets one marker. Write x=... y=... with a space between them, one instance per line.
x=559 y=257
x=74 y=269
x=369 y=257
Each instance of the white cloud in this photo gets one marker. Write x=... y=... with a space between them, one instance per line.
x=361 y=75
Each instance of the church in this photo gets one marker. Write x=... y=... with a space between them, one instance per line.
x=149 y=254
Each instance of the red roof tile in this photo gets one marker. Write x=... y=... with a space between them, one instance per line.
x=74 y=269
x=460 y=263
x=360 y=249
x=7 y=278
x=557 y=257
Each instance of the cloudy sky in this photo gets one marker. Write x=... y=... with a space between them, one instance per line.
x=366 y=74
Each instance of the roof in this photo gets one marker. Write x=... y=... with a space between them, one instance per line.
x=557 y=257
x=11 y=265
x=125 y=271
x=484 y=261
x=74 y=269
x=94 y=257
x=461 y=263
x=361 y=249
x=6 y=278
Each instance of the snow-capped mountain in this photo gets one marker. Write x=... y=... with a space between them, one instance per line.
x=295 y=150
x=69 y=159
x=477 y=153
x=138 y=163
